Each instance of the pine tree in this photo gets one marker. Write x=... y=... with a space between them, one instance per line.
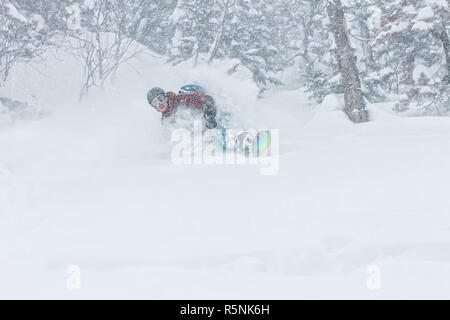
x=194 y=22
x=417 y=38
x=318 y=65
x=250 y=39
x=54 y=13
x=154 y=29
x=250 y=32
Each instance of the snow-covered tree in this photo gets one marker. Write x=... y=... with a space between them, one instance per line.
x=364 y=19
x=406 y=53
x=154 y=29
x=416 y=39
x=194 y=21
x=249 y=32
x=314 y=46
x=54 y=13
x=23 y=36
x=252 y=38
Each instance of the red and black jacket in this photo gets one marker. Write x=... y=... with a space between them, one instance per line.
x=196 y=100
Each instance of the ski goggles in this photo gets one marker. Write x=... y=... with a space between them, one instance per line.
x=156 y=101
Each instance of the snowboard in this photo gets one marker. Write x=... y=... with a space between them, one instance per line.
x=254 y=143
x=250 y=143
x=262 y=143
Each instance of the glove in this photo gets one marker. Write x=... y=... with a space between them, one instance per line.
x=211 y=122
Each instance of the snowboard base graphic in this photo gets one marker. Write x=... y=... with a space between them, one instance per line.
x=254 y=144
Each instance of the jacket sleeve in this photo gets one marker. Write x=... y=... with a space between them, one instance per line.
x=209 y=112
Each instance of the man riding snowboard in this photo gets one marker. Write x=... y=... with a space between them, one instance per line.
x=191 y=96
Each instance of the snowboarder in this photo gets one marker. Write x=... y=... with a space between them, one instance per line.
x=190 y=96
x=194 y=97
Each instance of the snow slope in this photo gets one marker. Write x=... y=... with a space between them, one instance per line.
x=92 y=185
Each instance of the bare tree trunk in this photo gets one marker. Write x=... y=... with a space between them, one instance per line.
x=218 y=39
x=120 y=12
x=368 y=52
x=407 y=69
x=98 y=39
x=87 y=53
x=354 y=100
x=446 y=45
x=196 y=50
x=308 y=33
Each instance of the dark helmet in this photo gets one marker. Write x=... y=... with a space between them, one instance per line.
x=153 y=93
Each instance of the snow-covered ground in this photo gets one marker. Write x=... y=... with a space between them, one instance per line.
x=355 y=211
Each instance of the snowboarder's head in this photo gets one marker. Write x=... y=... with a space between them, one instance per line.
x=158 y=99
